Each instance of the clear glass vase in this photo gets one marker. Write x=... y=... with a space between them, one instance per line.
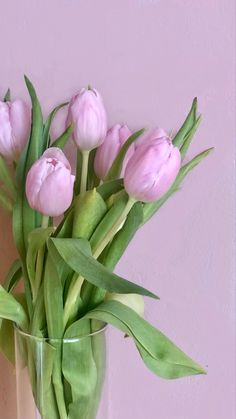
x=61 y=378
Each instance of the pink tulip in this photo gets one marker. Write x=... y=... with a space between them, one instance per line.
x=152 y=170
x=150 y=135
x=87 y=113
x=14 y=128
x=49 y=183
x=107 y=152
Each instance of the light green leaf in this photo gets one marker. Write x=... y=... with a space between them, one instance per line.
x=75 y=254
x=188 y=138
x=116 y=167
x=150 y=209
x=89 y=210
x=187 y=125
x=159 y=354
x=11 y=309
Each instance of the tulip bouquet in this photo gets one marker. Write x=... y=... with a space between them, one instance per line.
x=66 y=267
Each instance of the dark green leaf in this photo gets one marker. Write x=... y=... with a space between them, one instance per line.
x=11 y=309
x=7 y=96
x=75 y=254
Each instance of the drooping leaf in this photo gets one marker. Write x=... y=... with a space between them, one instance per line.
x=187 y=125
x=150 y=209
x=75 y=253
x=116 y=167
x=159 y=354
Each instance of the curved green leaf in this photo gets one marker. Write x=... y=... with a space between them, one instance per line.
x=159 y=354
x=61 y=141
x=75 y=253
x=187 y=125
x=109 y=188
x=48 y=124
x=11 y=309
x=13 y=276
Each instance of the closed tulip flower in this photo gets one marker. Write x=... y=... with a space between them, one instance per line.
x=14 y=128
x=107 y=152
x=152 y=134
x=87 y=113
x=49 y=183
x=152 y=170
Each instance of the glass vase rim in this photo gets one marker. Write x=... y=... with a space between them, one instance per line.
x=103 y=329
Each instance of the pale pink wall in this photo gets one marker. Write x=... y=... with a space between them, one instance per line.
x=149 y=59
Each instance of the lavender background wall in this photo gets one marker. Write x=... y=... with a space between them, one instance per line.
x=149 y=59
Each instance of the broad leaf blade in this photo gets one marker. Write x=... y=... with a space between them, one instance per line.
x=74 y=253
x=11 y=309
x=159 y=354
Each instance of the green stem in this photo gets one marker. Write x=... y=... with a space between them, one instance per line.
x=101 y=246
x=84 y=173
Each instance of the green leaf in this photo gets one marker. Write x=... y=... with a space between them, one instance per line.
x=48 y=124
x=53 y=299
x=7 y=96
x=79 y=368
x=92 y=181
x=12 y=310
x=89 y=210
x=151 y=208
x=37 y=239
x=108 y=222
x=109 y=188
x=188 y=138
x=187 y=125
x=64 y=229
x=6 y=177
x=159 y=354
x=13 y=276
x=116 y=167
x=61 y=141
x=75 y=254
x=121 y=240
x=5 y=202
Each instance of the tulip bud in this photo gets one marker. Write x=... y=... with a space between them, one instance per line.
x=133 y=301
x=87 y=113
x=152 y=170
x=107 y=152
x=49 y=183
x=14 y=128
x=150 y=135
